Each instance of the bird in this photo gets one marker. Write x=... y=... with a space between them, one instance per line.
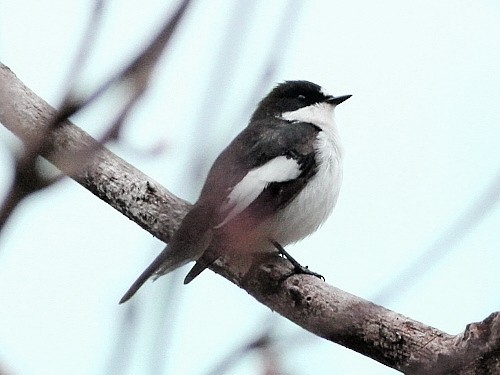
x=273 y=185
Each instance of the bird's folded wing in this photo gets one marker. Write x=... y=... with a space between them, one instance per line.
x=279 y=169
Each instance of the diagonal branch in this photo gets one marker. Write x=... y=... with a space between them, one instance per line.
x=142 y=200
x=387 y=337
x=136 y=75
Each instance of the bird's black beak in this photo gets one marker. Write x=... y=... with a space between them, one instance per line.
x=337 y=99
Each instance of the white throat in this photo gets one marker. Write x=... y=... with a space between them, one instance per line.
x=320 y=114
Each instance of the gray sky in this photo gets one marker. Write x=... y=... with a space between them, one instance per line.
x=421 y=136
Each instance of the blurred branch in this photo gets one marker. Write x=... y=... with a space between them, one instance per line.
x=27 y=177
x=444 y=243
x=137 y=73
x=135 y=76
x=86 y=44
x=267 y=344
x=259 y=343
x=222 y=72
x=121 y=351
x=275 y=54
x=143 y=200
x=383 y=335
x=3 y=371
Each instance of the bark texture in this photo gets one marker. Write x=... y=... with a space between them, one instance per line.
x=388 y=337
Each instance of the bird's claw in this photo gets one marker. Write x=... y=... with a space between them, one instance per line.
x=297 y=267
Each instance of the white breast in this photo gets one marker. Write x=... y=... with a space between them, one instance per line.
x=305 y=214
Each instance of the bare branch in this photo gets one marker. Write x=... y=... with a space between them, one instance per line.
x=27 y=178
x=383 y=335
x=142 y=199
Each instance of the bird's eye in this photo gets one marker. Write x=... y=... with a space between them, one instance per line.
x=301 y=97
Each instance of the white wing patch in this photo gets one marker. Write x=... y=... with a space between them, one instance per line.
x=279 y=169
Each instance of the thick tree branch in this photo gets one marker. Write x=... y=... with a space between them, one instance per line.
x=381 y=334
x=109 y=177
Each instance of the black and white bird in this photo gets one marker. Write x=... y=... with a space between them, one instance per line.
x=275 y=183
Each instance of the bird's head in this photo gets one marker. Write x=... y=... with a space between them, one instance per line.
x=291 y=96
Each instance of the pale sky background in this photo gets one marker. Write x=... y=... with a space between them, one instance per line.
x=421 y=135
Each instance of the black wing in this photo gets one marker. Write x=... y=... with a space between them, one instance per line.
x=255 y=146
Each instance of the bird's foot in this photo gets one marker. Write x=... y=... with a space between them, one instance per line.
x=297 y=267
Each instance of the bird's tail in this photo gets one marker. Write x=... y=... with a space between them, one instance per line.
x=205 y=261
x=167 y=261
